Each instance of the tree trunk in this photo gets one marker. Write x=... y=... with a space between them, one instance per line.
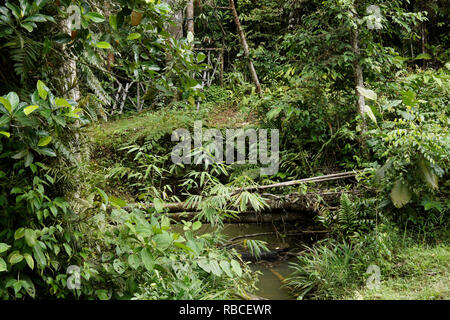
x=190 y=16
x=70 y=89
x=423 y=45
x=245 y=47
x=177 y=17
x=359 y=79
x=68 y=68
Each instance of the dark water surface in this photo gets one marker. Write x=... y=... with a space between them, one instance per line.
x=270 y=285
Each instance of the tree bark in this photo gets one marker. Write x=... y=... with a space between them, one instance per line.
x=190 y=16
x=177 y=17
x=245 y=47
x=68 y=68
x=359 y=79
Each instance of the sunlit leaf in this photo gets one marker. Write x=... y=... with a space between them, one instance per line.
x=367 y=93
x=42 y=89
x=133 y=36
x=7 y=104
x=103 y=45
x=44 y=141
x=30 y=109
x=61 y=102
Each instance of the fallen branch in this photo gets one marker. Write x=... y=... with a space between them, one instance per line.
x=253 y=235
x=328 y=177
x=273 y=204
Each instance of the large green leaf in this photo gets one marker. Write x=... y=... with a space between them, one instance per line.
x=29 y=260
x=367 y=93
x=400 y=194
x=4 y=247
x=215 y=268
x=42 y=89
x=30 y=109
x=15 y=257
x=424 y=56
x=159 y=204
x=13 y=98
x=95 y=17
x=103 y=45
x=113 y=21
x=370 y=114
x=225 y=265
x=196 y=225
x=429 y=177
x=147 y=259
x=19 y=233
x=134 y=261
x=133 y=36
x=204 y=264
x=190 y=37
x=7 y=104
x=30 y=237
x=2 y=265
x=47 y=152
x=103 y=195
x=39 y=256
x=44 y=141
x=163 y=240
x=61 y=102
x=409 y=98
x=117 y=202
x=236 y=267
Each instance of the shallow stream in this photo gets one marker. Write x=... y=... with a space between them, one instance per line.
x=270 y=283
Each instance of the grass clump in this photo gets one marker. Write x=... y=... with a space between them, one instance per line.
x=339 y=270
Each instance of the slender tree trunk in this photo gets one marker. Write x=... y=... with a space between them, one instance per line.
x=359 y=79
x=67 y=73
x=245 y=47
x=68 y=68
x=177 y=17
x=190 y=16
x=221 y=67
x=423 y=44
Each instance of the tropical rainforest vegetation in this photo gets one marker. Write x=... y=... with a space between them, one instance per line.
x=93 y=207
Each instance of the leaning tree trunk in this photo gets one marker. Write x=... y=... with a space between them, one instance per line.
x=245 y=47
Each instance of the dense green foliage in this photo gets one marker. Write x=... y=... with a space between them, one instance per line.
x=86 y=117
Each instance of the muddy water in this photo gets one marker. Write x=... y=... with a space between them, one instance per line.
x=272 y=273
x=270 y=283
